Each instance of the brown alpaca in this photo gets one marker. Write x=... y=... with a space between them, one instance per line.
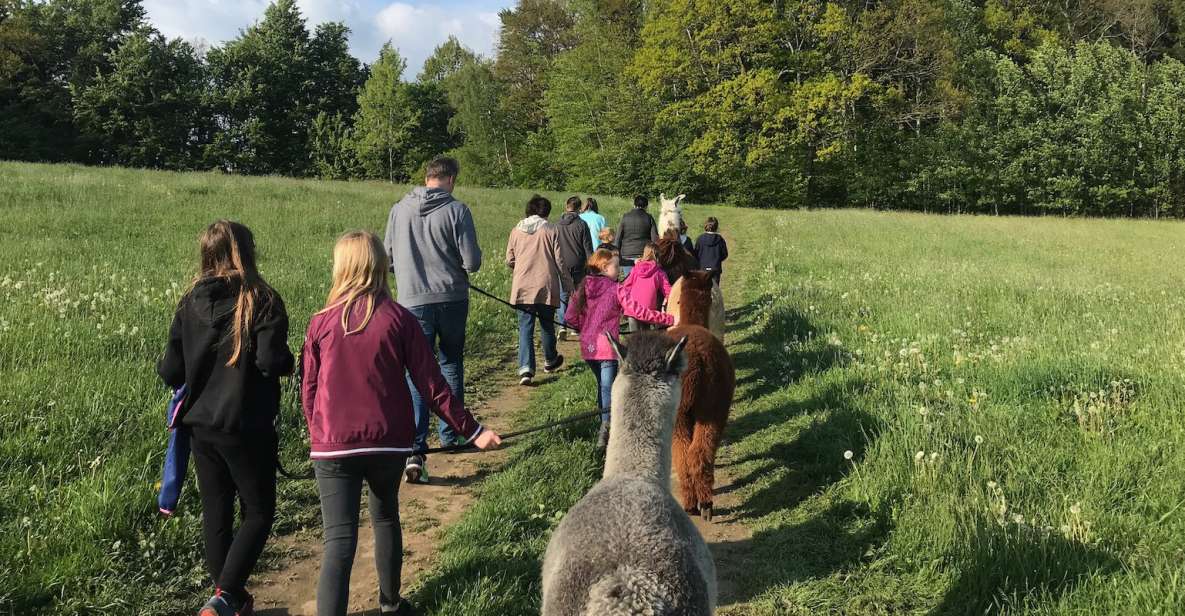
x=708 y=386
x=677 y=263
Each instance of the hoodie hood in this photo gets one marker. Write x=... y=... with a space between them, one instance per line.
x=596 y=286
x=213 y=300
x=643 y=269
x=570 y=218
x=711 y=239
x=427 y=200
x=531 y=224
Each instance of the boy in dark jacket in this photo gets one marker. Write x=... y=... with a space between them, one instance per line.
x=711 y=249
x=575 y=249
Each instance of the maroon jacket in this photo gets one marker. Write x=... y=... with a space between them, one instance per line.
x=354 y=392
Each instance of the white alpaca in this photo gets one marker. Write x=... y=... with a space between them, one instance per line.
x=672 y=213
x=627 y=548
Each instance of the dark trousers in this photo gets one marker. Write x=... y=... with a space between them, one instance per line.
x=444 y=322
x=339 y=481
x=224 y=471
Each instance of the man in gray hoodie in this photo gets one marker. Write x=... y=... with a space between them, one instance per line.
x=432 y=243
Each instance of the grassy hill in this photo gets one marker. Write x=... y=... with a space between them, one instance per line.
x=1010 y=390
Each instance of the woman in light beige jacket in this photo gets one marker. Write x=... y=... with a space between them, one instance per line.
x=533 y=252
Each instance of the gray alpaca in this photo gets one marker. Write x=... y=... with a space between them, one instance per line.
x=627 y=548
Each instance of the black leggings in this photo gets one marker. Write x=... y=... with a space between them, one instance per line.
x=340 y=483
x=224 y=471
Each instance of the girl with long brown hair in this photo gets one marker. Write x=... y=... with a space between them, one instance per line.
x=359 y=412
x=229 y=344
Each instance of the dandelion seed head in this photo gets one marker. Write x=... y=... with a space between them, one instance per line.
x=847 y=455
x=978 y=439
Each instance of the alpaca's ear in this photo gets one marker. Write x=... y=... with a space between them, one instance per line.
x=676 y=363
x=618 y=350
x=680 y=199
x=662 y=197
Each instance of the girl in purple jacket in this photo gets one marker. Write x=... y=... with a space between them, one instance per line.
x=359 y=412
x=596 y=310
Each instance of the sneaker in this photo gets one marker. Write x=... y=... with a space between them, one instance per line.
x=563 y=334
x=223 y=604
x=554 y=365
x=416 y=470
x=525 y=376
x=404 y=608
x=603 y=436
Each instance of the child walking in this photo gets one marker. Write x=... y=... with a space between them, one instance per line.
x=229 y=344
x=360 y=417
x=711 y=249
x=647 y=284
x=596 y=310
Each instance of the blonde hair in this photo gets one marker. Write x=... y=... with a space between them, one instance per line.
x=359 y=270
x=649 y=253
x=606 y=234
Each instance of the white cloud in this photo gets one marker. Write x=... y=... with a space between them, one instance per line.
x=414 y=27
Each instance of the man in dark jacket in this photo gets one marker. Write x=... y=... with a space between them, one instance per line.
x=432 y=243
x=637 y=229
x=575 y=249
x=711 y=249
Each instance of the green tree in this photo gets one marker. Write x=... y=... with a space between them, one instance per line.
x=446 y=60
x=385 y=123
x=146 y=111
x=485 y=135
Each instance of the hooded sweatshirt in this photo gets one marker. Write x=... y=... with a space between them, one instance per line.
x=575 y=245
x=355 y=397
x=433 y=247
x=226 y=403
x=533 y=252
x=711 y=250
x=604 y=303
x=647 y=284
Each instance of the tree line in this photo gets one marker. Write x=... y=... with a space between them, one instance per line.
x=1070 y=107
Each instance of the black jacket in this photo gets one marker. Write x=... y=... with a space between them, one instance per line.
x=575 y=244
x=711 y=250
x=637 y=229
x=226 y=402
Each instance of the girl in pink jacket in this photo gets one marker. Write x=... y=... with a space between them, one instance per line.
x=647 y=284
x=596 y=310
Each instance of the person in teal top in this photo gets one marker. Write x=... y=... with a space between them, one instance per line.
x=593 y=219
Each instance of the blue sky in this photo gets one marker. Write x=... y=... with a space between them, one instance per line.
x=416 y=27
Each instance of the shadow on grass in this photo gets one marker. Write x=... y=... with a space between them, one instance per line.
x=765 y=364
x=792 y=471
x=1012 y=567
x=834 y=539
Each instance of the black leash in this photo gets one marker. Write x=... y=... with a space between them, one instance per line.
x=520 y=308
x=462 y=447
x=551 y=424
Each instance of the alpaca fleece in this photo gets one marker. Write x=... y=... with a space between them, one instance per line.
x=627 y=548
x=708 y=386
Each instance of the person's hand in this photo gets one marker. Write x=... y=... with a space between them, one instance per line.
x=488 y=439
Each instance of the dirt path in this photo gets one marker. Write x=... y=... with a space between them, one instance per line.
x=425 y=511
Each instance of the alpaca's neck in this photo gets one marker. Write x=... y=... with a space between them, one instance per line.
x=694 y=312
x=638 y=452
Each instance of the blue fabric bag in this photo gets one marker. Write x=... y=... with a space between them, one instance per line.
x=176 y=456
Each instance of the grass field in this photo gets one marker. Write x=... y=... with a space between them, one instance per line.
x=1009 y=390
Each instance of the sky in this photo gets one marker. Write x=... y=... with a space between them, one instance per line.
x=415 y=27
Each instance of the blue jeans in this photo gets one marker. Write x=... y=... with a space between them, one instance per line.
x=564 y=297
x=526 y=335
x=446 y=322
x=605 y=371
